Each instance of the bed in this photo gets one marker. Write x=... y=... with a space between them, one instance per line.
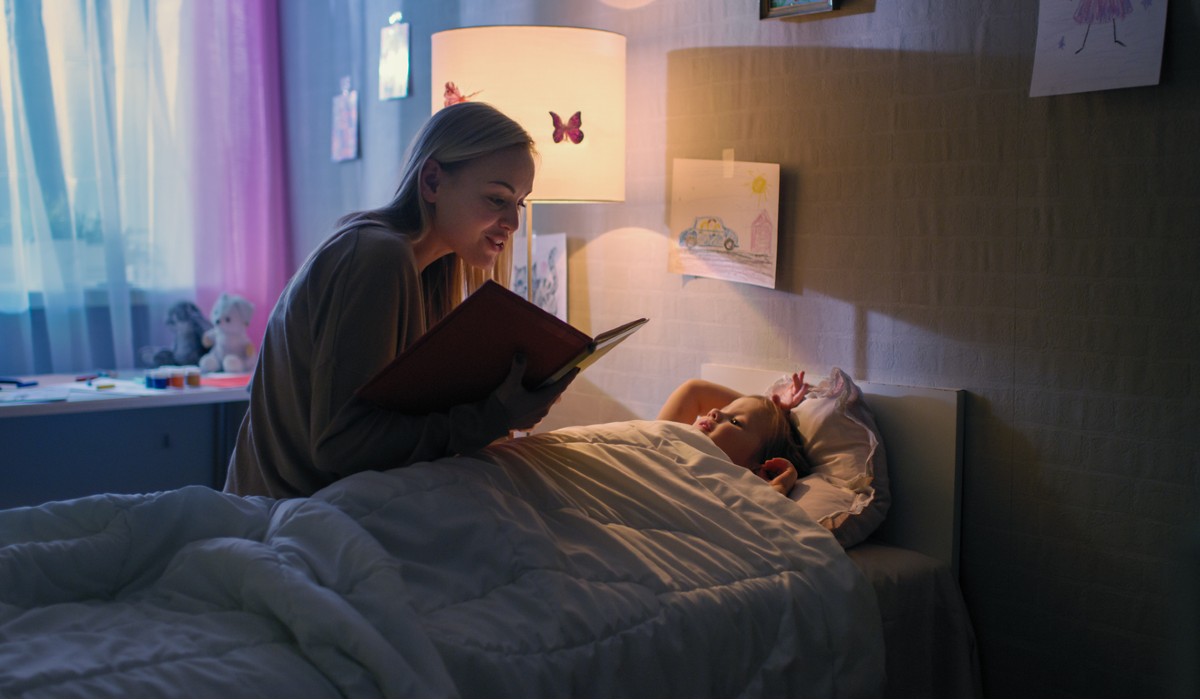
x=614 y=560
x=624 y=559
x=911 y=557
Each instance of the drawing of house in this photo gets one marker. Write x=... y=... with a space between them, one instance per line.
x=762 y=232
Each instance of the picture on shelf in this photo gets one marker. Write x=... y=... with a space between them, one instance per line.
x=549 y=272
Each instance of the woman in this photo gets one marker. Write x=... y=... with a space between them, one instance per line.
x=372 y=289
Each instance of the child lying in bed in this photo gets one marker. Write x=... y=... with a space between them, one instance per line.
x=756 y=432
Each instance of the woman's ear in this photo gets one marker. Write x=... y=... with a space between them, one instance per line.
x=431 y=175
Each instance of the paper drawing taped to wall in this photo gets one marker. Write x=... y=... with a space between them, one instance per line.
x=724 y=220
x=393 y=61
x=1088 y=45
x=345 y=123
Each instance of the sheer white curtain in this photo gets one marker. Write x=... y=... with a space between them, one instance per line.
x=107 y=159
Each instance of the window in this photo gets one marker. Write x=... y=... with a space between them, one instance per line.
x=101 y=182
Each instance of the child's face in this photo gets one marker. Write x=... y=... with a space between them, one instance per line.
x=739 y=429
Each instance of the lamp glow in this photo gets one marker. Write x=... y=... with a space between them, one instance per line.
x=542 y=77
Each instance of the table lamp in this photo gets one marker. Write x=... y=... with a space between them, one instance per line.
x=565 y=85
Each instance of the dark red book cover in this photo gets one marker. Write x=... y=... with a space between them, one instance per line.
x=466 y=355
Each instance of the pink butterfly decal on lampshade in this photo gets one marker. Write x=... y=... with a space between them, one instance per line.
x=570 y=130
x=453 y=95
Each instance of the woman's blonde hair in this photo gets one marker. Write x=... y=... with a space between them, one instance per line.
x=452 y=136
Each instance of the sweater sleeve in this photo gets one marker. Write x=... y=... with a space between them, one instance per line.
x=363 y=437
x=372 y=310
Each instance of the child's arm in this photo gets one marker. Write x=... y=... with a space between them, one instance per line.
x=695 y=397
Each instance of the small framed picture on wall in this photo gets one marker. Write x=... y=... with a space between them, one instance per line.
x=771 y=9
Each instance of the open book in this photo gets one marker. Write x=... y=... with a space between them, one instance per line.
x=467 y=354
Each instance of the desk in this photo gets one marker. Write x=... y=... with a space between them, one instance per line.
x=105 y=441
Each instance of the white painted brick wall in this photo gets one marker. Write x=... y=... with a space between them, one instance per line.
x=942 y=228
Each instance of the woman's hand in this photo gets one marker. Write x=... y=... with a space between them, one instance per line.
x=526 y=408
x=780 y=473
x=788 y=393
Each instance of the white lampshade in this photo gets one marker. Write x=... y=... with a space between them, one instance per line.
x=529 y=73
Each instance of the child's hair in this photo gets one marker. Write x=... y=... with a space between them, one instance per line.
x=785 y=440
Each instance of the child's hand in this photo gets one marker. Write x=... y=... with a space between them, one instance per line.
x=779 y=473
x=788 y=393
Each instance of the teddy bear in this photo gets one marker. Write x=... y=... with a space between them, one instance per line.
x=231 y=349
x=188 y=325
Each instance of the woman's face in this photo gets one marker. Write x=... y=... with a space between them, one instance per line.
x=476 y=205
x=739 y=429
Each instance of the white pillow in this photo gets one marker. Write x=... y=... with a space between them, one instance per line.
x=847 y=491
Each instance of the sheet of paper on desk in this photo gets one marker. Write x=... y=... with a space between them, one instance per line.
x=116 y=387
x=44 y=394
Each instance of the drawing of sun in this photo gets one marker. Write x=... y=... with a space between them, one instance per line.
x=759 y=187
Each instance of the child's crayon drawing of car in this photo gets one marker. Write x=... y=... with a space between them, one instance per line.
x=708 y=232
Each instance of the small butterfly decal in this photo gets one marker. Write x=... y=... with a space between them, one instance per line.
x=453 y=95
x=569 y=130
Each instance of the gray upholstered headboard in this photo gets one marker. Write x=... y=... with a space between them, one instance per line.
x=922 y=434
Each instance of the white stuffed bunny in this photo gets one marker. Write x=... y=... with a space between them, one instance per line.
x=231 y=349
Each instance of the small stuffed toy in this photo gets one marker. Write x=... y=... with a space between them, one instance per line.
x=187 y=323
x=231 y=349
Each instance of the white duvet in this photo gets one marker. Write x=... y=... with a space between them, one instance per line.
x=614 y=560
